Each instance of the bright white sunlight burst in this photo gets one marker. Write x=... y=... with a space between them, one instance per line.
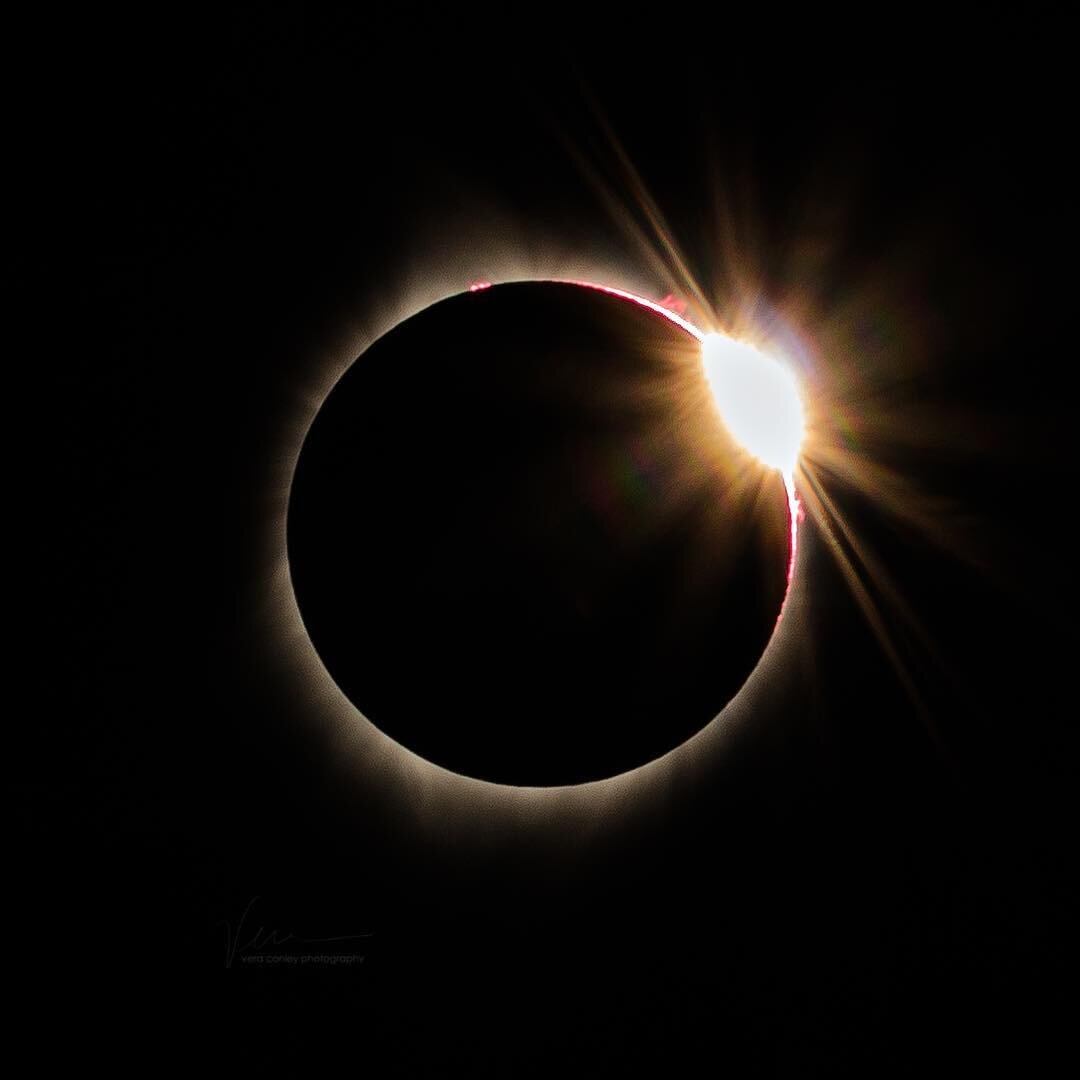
x=758 y=399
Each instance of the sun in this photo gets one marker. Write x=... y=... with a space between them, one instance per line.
x=758 y=399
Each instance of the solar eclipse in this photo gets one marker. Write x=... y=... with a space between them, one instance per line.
x=523 y=543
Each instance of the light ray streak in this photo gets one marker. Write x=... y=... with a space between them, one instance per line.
x=818 y=502
x=873 y=566
x=660 y=248
x=651 y=210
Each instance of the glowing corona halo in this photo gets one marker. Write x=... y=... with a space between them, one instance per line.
x=729 y=374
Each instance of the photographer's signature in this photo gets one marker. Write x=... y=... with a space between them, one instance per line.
x=253 y=946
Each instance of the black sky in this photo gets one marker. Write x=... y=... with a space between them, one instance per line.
x=854 y=886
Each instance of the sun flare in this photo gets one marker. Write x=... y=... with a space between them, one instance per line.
x=758 y=399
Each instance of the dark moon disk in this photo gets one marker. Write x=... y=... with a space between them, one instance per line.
x=523 y=544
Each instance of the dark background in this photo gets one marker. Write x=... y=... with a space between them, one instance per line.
x=858 y=885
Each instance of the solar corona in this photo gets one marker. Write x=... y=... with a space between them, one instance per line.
x=636 y=418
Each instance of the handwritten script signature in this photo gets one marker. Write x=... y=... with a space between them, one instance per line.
x=249 y=944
